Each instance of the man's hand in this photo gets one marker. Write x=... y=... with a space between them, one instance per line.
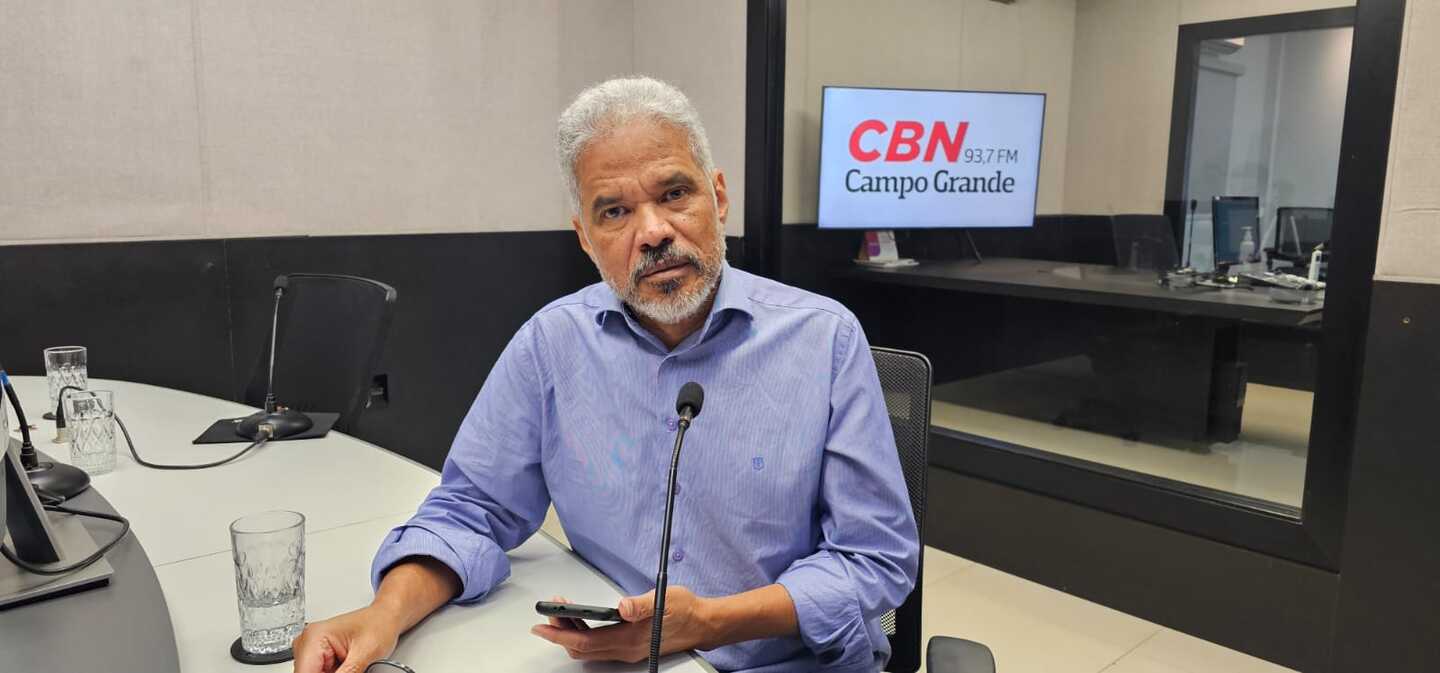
x=347 y=643
x=687 y=627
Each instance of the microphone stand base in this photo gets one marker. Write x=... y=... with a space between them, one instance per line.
x=283 y=424
x=65 y=481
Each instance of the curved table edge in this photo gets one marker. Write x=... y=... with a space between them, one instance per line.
x=132 y=603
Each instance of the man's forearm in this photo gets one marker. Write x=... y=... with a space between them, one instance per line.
x=767 y=612
x=414 y=588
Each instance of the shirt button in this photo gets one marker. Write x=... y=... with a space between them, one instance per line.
x=677 y=488
x=678 y=556
x=670 y=424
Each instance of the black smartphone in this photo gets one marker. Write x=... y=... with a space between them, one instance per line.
x=577 y=611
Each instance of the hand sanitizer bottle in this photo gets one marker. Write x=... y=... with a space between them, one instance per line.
x=1247 y=246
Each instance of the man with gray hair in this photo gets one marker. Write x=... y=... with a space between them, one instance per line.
x=793 y=532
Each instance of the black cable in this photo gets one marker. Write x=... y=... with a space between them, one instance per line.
x=48 y=497
x=28 y=457
x=392 y=664
x=86 y=562
x=264 y=437
x=60 y=423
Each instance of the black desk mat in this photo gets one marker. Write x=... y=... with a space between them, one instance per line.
x=223 y=430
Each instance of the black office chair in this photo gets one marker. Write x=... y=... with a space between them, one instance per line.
x=331 y=335
x=1145 y=243
x=1229 y=217
x=905 y=380
x=1298 y=231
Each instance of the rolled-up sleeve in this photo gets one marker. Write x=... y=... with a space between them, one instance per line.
x=492 y=494
x=869 y=552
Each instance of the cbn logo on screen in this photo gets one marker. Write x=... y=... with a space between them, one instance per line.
x=920 y=158
x=906 y=137
x=911 y=140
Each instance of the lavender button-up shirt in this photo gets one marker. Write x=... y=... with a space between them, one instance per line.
x=789 y=476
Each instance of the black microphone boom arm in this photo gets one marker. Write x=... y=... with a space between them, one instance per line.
x=273 y=422
x=687 y=405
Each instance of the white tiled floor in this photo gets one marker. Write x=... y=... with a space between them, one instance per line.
x=1035 y=629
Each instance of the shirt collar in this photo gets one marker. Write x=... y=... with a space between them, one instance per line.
x=732 y=295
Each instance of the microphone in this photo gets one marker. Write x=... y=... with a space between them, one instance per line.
x=1190 y=231
x=59 y=479
x=274 y=422
x=687 y=405
x=689 y=401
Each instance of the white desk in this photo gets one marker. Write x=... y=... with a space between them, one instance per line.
x=351 y=494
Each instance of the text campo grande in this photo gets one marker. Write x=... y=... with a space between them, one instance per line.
x=942 y=182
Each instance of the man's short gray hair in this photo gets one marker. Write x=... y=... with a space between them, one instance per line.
x=615 y=103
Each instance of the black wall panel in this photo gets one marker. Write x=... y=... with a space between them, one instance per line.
x=195 y=315
x=1390 y=568
x=461 y=298
x=154 y=312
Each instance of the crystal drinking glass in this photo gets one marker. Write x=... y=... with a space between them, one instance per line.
x=90 y=416
x=269 y=553
x=64 y=366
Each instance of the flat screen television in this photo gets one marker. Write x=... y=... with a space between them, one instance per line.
x=912 y=158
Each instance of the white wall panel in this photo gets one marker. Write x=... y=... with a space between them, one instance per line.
x=1410 y=228
x=699 y=46
x=98 y=121
x=224 y=118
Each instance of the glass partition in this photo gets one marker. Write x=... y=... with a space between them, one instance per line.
x=1068 y=340
x=1265 y=133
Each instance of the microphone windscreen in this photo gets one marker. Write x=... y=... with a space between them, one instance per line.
x=691 y=395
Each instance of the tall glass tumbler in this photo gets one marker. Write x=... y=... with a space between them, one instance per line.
x=269 y=552
x=65 y=366
x=90 y=416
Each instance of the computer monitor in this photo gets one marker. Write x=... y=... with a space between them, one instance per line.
x=1230 y=216
x=909 y=158
x=1298 y=231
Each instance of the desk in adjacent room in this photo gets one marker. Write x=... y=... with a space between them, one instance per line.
x=1093 y=284
x=1207 y=382
x=351 y=494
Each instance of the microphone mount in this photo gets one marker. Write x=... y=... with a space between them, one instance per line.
x=274 y=421
x=58 y=479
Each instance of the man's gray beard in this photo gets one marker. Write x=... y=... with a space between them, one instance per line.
x=672 y=307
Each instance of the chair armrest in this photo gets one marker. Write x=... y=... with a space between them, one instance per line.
x=953 y=655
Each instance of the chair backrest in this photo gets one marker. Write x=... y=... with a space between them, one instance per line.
x=1299 y=230
x=1145 y=242
x=331 y=335
x=905 y=379
x=1230 y=215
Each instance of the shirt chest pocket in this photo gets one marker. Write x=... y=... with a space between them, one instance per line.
x=763 y=470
